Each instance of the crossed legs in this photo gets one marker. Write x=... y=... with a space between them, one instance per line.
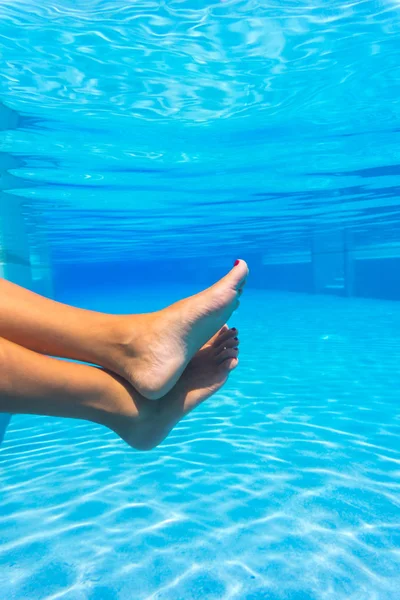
x=178 y=356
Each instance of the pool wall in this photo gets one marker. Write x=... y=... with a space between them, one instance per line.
x=24 y=257
x=372 y=277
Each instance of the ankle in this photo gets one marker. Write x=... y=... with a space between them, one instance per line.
x=115 y=341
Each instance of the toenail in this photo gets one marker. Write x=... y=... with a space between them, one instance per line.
x=236 y=263
x=236 y=339
x=234 y=329
x=236 y=348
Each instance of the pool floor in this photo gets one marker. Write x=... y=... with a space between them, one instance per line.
x=285 y=485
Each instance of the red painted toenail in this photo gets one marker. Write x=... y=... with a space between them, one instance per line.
x=236 y=339
x=236 y=263
x=234 y=329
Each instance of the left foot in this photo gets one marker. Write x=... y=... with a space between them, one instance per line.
x=206 y=373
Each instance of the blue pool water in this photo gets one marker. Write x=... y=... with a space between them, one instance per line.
x=283 y=485
x=143 y=147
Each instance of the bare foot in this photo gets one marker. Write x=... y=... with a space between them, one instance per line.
x=154 y=349
x=206 y=373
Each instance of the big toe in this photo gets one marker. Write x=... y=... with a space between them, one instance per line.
x=238 y=275
x=216 y=339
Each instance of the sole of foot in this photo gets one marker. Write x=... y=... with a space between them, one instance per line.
x=157 y=347
x=205 y=375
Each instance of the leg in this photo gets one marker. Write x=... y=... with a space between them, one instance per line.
x=36 y=384
x=150 y=351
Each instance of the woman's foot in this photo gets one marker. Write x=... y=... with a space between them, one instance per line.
x=206 y=373
x=154 y=349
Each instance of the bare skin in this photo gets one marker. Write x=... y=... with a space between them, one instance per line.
x=150 y=351
x=36 y=384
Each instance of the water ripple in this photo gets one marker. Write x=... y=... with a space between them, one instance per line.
x=285 y=485
x=223 y=59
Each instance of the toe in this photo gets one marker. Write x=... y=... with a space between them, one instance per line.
x=239 y=274
x=227 y=344
x=227 y=353
x=223 y=330
x=229 y=364
x=216 y=339
x=227 y=335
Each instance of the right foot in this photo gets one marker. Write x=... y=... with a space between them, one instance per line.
x=206 y=373
x=157 y=347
